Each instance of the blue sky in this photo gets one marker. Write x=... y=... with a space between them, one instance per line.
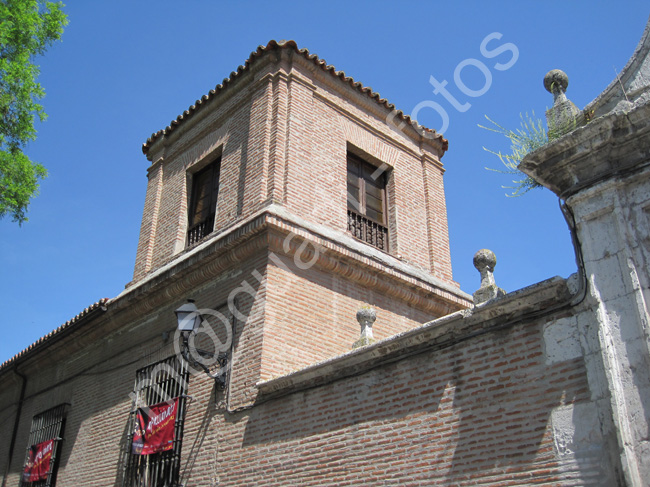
x=125 y=69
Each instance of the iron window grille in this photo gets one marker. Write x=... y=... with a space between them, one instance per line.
x=203 y=202
x=46 y=426
x=156 y=383
x=367 y=230
x=367 y=209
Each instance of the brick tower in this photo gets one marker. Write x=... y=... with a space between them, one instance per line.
x=290 y=188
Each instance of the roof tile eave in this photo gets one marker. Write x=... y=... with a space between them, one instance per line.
x=259 y=52
x=95 y=306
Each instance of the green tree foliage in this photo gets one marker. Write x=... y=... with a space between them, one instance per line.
x=530 y=136
x=27 y=29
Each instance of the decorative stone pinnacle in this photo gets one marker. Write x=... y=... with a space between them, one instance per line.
x=563 y=116
x=485 y=261
x=366 y=316
x=556 y=81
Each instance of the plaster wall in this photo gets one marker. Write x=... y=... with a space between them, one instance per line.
x=614 y=228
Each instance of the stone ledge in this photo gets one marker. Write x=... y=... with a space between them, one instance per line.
x=529 y=303
x=607 y=146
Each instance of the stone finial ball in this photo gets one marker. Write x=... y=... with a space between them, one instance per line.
x=556 y=80
x=485 y=258
x=366 y=315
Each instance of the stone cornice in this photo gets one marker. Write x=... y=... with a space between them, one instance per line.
x=196 y=265
x=608 y=146
x=629 y=84
x=363 y=251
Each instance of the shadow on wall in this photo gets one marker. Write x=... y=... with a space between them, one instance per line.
x=479 y=408
x=94 y=398
x=200 y=435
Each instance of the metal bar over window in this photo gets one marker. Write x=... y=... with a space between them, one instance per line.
x=154 y=384
x=367 y=230
x=46 y=426
x=202 y=229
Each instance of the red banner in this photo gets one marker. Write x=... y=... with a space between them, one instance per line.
x=154 y=428
x=38 y=464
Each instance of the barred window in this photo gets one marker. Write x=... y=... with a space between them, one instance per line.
x=367 y=202
x=159 y=396
x=41 y=458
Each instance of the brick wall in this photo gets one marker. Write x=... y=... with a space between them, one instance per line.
x=478 y=407
x=310 y=316
x=282 y=133
x=479 y=412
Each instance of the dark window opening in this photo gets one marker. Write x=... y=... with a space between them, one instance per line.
x=203 y=202
x=367 y=208
x=43 y=447
x=167 y=381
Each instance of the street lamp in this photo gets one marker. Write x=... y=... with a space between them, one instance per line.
x=188 y=316
x=189 y=321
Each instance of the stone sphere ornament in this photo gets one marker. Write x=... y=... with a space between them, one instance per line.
x=556 y=81
x=485 y=259
x=366 y=317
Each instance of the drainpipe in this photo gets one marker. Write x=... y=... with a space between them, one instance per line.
x=16 y=421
